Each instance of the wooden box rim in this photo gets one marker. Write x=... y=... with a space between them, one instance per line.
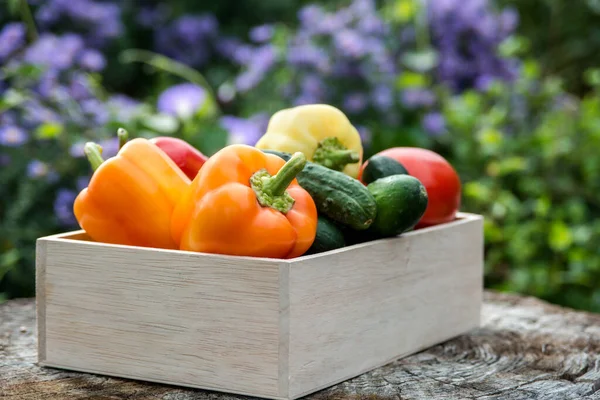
x=81 y=237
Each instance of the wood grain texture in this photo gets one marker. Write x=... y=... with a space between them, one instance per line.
x=164 y=316
x=360 y=308
x=526 y=349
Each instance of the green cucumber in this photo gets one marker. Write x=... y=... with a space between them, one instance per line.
x=328 y=237
x=401 y=202
x=337 y=196
x=380 y=166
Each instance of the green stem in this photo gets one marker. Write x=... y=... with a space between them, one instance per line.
x=276 y=185
x=166 y=64
x=29 y=21
x=123 y=137
x=93 y=152
x=271 y=190
x=344 y=157
x=331 y=153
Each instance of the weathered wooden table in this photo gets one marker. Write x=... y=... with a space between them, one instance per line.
x=526 y=349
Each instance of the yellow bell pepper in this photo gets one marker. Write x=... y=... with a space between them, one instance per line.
x=321 y=132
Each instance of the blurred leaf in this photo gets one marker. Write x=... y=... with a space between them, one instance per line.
x=514 y=46
x=13 y=6
x=506 y=166
x=403 y=10
x=162 y=123
x=422 y=60
x=8 y=259
x=531 y=69
x=409 y=79
x=11 y=98
x=560 y=237
x=49 y=131
x=592 y=76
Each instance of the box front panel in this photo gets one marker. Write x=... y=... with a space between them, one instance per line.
x=170 y=317
x=361 y=308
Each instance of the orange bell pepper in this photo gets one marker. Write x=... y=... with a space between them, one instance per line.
x=131 y=196
x=248 y=203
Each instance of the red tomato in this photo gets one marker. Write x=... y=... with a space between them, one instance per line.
x=437 y=175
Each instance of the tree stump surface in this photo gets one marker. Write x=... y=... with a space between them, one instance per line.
x=525 y=349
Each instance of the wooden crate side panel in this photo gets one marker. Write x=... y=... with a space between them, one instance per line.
x=163 y=316
x=363 y=308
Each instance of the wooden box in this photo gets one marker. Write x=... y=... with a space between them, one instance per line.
x=277 y=329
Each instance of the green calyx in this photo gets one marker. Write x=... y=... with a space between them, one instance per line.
x=271 y=190
x=93 y=152
x=331 y=153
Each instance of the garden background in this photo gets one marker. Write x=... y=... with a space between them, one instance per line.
x=507 y=90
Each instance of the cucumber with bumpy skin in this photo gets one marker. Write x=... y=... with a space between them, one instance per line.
x=378 y=167
x=339 y=197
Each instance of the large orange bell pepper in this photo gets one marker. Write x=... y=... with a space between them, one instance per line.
x=248 y=203
x=131 y=196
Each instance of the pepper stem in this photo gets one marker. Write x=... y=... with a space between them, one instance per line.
x=271 y=190
x=123 y=137
x=331 y=153
x=93 y=152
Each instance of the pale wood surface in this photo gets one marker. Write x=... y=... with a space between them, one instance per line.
x=526 y=349
x=163 y=316
x=360 y=308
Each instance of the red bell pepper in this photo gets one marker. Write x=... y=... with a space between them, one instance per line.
x=186 y=156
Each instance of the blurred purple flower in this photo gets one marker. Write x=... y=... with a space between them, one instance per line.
x=189 y=39
x=415 y=98
x=152 y=15
x=54 y=51
x=98 y=21
x=96 y=110
x=434 y=123
x=355 y=103
x=122 y=108
x=259 y=64
x=92 y=60
x=245 y=130
x=12 y=38
x=383 y=97
x=35 y=113
x=350 y=43
x=306 y=98
x=8 y=118
x=182 y=100
x=313 y=85
x=37 y=169
x=308 y=55
x=483 y=82
x=466 y=34
x=79 y=87
x=12 y=136
x=310 y=14
x=261 y=33
x=365 y=134
x=82 y=182
x=76 y=150
x=63 y=207
x=110 y=147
